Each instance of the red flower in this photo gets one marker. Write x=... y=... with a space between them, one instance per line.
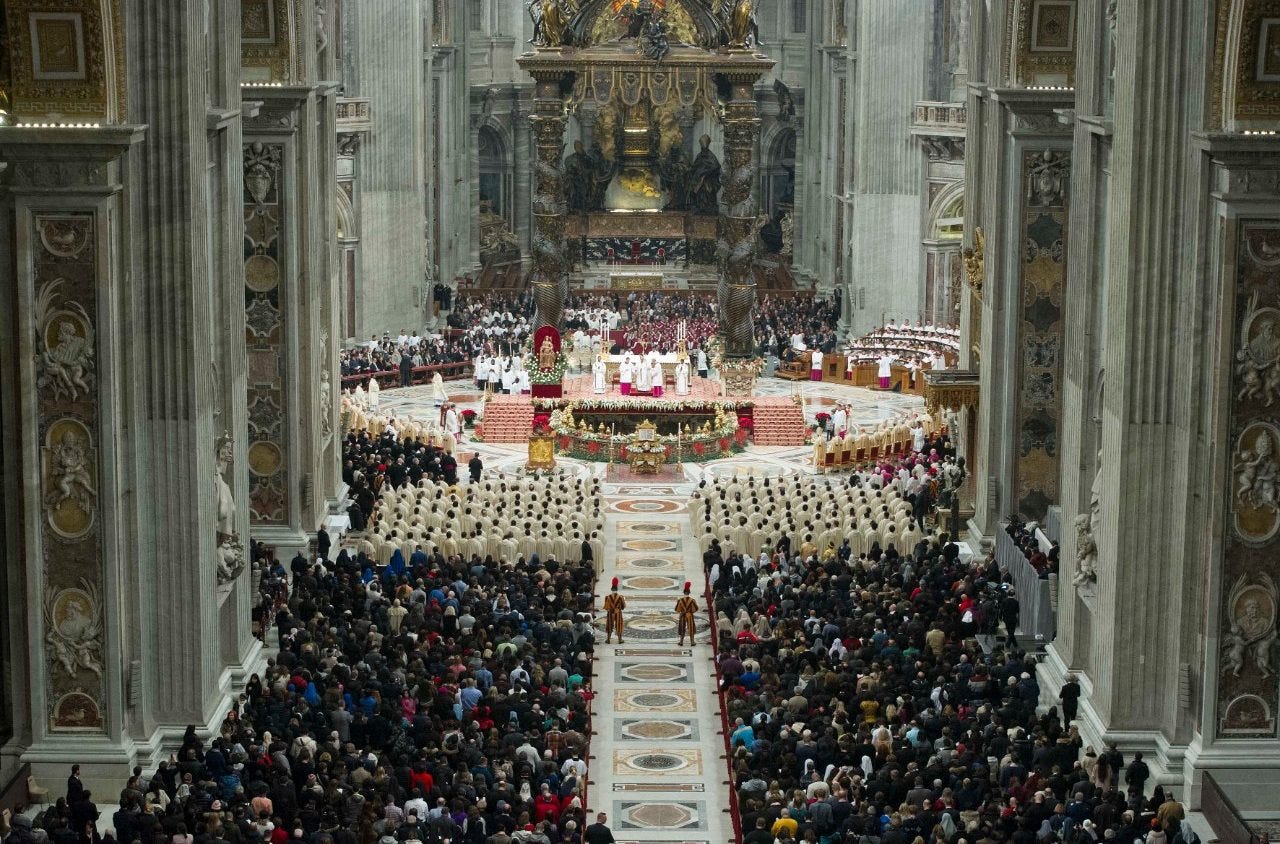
x=622 y=453
x=593 y=447
x=724 y=444
x=541 y=420
x=746 y=422
x=740 y=436
x=468 y=414
x=822 y=416
x=699 y=449
x=564 y=443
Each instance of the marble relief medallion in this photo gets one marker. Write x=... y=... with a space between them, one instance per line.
x=1256 y=482
x=655 y=729
x=70 y=478
x=652 y=672
x=661 y=815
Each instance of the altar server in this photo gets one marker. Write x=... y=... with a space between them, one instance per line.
x=885 y=370
x=625 y=372
x=815 y=365
x=657 y=378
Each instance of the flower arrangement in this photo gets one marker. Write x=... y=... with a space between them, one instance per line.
x=638 y=403
x=541 y=425
x=725 y=439
x=477 y=435
x=747 y=423
x=742 y=366
x=537 y=375
x=822 y=418
x=469 y=418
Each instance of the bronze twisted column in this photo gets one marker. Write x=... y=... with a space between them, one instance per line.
x=737 y=289
x=549 y=274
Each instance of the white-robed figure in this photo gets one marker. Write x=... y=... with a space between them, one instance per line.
x=682 y=377
x=644 y=377
x=657 y=378
x=481 y=371
x=437 y=389
x=815 y=365
x=374 y=391
x=885 y=371
x=598 y=370
x=626 y=370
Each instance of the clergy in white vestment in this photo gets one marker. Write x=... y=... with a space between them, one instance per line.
x=598 y=370
x=885 y=371
x=626 y=370
x=374 y=390
x=815 y=365
x=437 y=389
x=682 y=378
x=657 y=377
x=644 y=377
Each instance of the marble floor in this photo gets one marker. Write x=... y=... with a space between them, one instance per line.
x=656 y=745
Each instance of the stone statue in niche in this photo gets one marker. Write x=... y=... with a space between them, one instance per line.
x=66 y=362
x=704 y=180
x=1087 y=525
x=788 y=225
x=69 y=473
x=1047 y=180
x=1251 y=616
x=1086 y=552
x=73 y=631
x=1258 y=358
x=674 y=170
x=230 y=550
x=579 y=179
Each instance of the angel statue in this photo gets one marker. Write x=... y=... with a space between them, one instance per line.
x=739 y=19
x=74 y=629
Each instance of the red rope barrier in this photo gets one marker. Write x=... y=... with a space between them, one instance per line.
x=725 y=732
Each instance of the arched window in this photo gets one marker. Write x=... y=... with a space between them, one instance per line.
x=780 y=176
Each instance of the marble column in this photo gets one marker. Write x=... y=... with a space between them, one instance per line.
x=549 y=276
x=67 y=512
x=384 y=65
x=737 y=247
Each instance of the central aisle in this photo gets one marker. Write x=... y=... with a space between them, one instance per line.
x=657 y=767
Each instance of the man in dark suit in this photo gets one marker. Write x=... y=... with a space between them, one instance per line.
x=75 y=788
x=476 y=467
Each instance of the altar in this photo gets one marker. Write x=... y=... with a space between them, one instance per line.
x=612 y=363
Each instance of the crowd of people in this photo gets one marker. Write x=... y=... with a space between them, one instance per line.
x=1043 y=560
x=873 y=684
x=911 y=346
x=491 y=331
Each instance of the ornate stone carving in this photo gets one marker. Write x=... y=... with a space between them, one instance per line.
x=261 y=167
x=71 y=493
x=1042 y=122
x=1258 y=358
x=1256 y=488
x=975 y=261
x=64 y=237
x=230 y=550
x=1047 y=180
x=1251 y=627
x=943 y=149
x=73 y=629
x=348 y=143
x=66 y=361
